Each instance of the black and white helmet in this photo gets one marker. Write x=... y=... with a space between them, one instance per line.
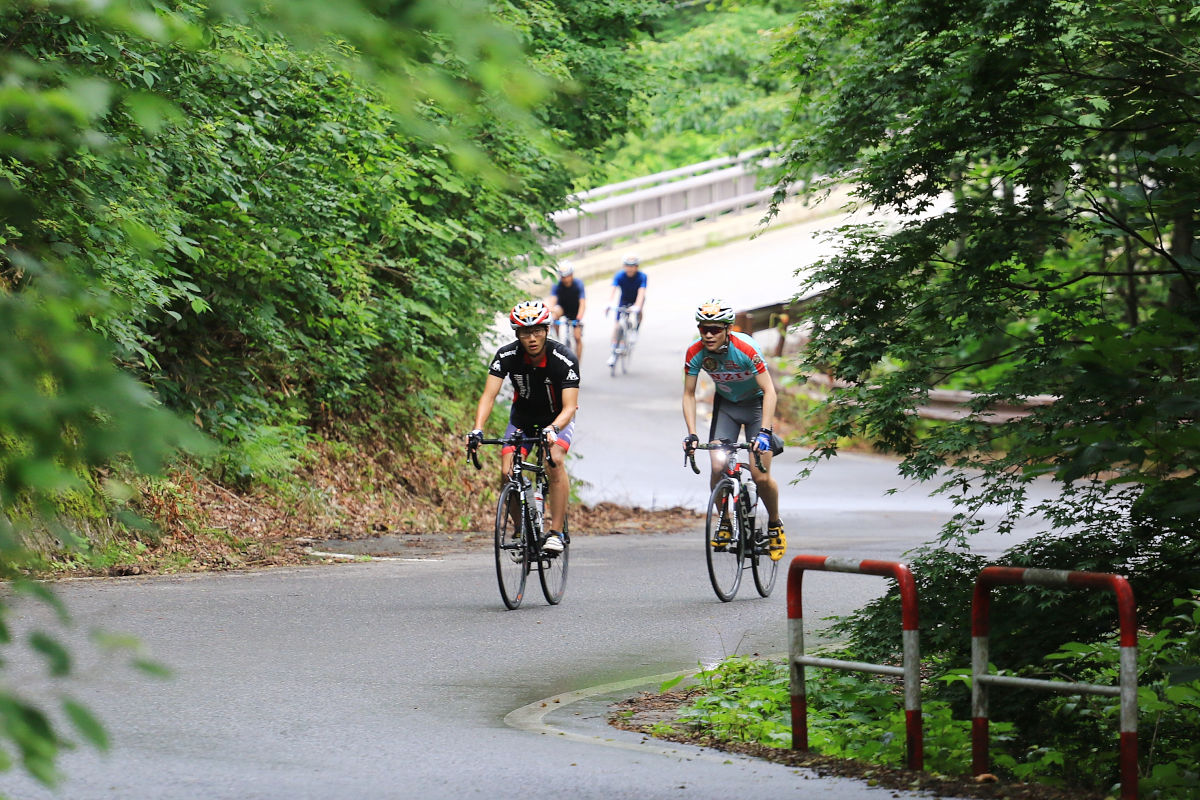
x=714 y=311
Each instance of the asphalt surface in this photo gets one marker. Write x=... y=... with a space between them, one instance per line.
x=398 y=679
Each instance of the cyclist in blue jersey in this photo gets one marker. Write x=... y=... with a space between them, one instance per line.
x=628 y=292
x=545 y=380
x=570 y=301
x=744 y=399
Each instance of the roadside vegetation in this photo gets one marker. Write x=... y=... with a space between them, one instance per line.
x=708 y=88
x=248 y=252
x=1062 y=742
x=1045 y=156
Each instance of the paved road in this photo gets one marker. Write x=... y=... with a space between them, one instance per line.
x=631 y=426
x=395 y=679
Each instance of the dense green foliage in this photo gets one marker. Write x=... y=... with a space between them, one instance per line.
x=279 y=220
x=280 y=252
x=707 y=88
x=1037 y=166
x=1049 y=150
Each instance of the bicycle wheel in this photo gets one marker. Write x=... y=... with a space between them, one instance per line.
x=512 y=558
x=552 y=570
x=765 y=570
x=724 y=559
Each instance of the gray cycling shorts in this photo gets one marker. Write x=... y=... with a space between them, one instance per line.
x=729 y=418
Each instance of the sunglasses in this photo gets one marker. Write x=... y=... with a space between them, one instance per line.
x=710 y=330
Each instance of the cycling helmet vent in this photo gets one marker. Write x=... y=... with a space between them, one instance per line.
x=716 y=311
x=529 y=314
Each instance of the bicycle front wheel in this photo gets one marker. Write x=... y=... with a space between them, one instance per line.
x=512 y=557
x=722 y=544
x=552 y=570
x=765 y=570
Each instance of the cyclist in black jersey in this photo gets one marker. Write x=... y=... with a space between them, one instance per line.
x=545 y=380
x=570 y=302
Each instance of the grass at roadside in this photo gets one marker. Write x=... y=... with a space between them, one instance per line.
x=856 y=728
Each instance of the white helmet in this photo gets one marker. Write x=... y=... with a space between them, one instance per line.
x=631 y=260
x=529 y=314
x=715 y=311
x=565 y=269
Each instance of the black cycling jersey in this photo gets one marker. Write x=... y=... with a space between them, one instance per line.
x=537 y=396
x=568 y=297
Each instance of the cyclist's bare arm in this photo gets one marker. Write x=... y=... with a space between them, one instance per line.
x=640 y=301
x=689 y=402
x=491 y=390
x=570 y=403
x=768 y=406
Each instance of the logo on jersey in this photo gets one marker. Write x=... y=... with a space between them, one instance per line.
x=571 y=376
x=496 y=365
x=565 y=359
x=757 y=360
x=709 y=363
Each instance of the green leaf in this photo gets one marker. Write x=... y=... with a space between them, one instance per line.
x=87 y=724
x=57 y=657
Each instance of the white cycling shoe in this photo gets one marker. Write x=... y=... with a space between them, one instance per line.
x=553 y=543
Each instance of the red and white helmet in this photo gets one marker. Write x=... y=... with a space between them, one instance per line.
x=529 y=314
x=714 y=311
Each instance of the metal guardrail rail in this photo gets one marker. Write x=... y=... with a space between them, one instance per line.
x=678 y=197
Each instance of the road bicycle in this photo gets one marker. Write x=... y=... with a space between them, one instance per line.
x=563 y=330
x=520 y=519
x=735 y=526
x=622 y=348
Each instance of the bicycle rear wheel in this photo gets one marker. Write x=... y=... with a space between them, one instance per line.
x=765 y=570
x=552 y=570
x=724 y=559
x=512 y=557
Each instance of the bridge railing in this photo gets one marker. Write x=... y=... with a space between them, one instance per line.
x=678 y=197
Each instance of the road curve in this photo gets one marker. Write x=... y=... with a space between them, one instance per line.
x=394 y=679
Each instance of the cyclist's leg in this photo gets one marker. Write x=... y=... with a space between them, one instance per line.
x=723 y=426
x=616 y=337
x=560 y=486
x=506 y=466
x=577 y=331
x=749 y=414
x=768 y=489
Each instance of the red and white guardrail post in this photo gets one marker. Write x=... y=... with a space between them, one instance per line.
x=910 y=670
x=981 y=679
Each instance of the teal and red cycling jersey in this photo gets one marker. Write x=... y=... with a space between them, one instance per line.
x=734 y=371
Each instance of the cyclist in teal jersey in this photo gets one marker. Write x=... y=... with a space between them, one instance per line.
x=744 y=399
